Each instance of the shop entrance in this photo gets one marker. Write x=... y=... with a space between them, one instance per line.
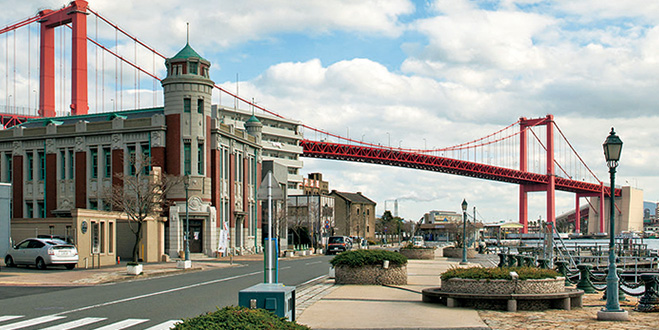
x=196 y=236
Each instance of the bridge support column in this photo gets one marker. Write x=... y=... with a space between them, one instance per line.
x=602 y=209
x=75 y=13
x=577 y=216
x=524 y=208
x=551 y=186
x=523 y=166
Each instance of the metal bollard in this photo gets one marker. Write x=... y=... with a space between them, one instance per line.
x=543 y=263
x=520 y=260
x=584 y=278
x=502 y=260
x=649 y=302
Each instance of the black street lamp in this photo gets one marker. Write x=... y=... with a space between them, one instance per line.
x=612 y=311
x=186 y=184
x=464 y=233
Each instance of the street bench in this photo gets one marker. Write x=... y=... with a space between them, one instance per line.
x=572 y=298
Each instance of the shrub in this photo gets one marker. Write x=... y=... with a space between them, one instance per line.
x=238 y=318
x=359 y=258
x=371 y=242
x=478 y=273
x=414 y=247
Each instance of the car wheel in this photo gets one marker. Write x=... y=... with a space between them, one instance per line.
x=9 y=261
x=71 y=266
x=41 y=264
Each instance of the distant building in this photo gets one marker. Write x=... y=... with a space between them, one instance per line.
x=315 y=185
x=441 y=216
x=355 y=214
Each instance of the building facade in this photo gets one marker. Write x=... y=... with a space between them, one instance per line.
x=280 y=140
x=60 y=166
x=354 y=215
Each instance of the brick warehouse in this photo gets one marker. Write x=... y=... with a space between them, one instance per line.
x=61 y=166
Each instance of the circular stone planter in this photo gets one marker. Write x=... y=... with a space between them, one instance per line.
x=453 y=252
x=371 y=275
x=418 y=253
x=543 y=286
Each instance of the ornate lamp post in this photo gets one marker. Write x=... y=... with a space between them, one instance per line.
x=186 y=184
x=612 y=311
x=464 y=233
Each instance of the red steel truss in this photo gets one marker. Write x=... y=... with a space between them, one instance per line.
x=392 y=157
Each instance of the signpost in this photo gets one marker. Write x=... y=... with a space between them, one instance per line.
x=270 y=190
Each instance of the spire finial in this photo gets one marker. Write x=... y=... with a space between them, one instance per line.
x=187 y=40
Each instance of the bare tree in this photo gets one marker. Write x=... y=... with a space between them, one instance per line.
x=141 y=194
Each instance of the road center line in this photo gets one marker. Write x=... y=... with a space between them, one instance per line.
x=158 y=293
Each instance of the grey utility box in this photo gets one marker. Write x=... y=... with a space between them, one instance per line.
x=274 y=297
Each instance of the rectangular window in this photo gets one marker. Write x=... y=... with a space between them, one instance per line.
x=131 y=160
x=110 y=237
x=102 y=237
x=193 y=68
x=71 y=164
x=42 y=165
x=187 y=104
x=69 y=234
x=187 y=166
x=146 y=158
x=51 y=230
x=30 y=166
x=30 y=209
x=200 y=105
x=95 y=239
x=41 y=209
x=200 y=159
x=10 y=168
x=93 y=204
x=62 y=165
x=107 y=156
x=94 y=159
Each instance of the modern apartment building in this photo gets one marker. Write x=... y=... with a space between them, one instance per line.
x=280 y=140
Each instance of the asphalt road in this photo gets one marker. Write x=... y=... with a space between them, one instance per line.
x=145 y=303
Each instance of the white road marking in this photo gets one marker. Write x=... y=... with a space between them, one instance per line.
x=312 y=263
x=76 y=323
x=165 y=325
x=10 y=317
x=157 y=293
x=122 y=324
x=31 y=322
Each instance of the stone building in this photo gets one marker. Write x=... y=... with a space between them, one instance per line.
x=62 y=167
x=354 y=215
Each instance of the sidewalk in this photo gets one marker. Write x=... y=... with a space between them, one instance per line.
x=385 y=307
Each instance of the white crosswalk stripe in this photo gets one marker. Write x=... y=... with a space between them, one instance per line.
x=76 y=323
x=164 y=326
x=10 y=317
x=31 y=322
x=122 y=324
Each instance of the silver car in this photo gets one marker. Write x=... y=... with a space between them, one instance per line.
x=42 y=252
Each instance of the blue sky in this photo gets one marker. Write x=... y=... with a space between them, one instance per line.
x=437 y=72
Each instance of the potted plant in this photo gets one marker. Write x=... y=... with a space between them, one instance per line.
x=134 y=268
x=455 y=251
x=499 y=280
x=376 y=267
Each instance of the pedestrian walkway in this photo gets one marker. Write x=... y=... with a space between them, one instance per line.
x=391 y=307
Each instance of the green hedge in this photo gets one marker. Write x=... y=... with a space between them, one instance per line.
x=238 y=318
x=359 y=258
x=478 y=273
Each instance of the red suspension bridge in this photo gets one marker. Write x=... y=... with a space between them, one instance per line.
x=532 y=153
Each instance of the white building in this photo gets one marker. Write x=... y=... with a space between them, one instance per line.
x=280 y=140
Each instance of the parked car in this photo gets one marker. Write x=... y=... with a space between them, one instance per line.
x=336 y=244
x=42 y=252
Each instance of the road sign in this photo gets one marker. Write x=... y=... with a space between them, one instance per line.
x=269 y=182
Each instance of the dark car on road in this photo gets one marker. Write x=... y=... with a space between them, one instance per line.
x=42 y=252
x=336 y=244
